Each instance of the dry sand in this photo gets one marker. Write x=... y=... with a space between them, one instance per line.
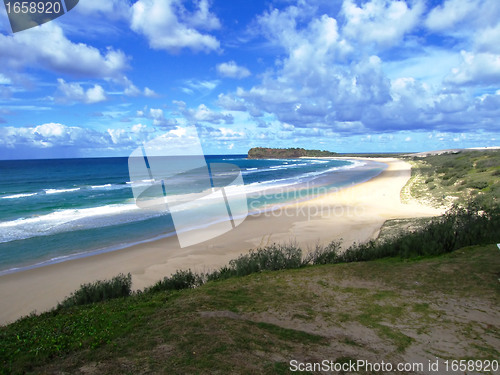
x=354 y=214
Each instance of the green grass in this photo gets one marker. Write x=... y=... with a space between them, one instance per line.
x=258 y=323
x=448 y=178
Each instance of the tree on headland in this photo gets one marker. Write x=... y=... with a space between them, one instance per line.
x=285 y=153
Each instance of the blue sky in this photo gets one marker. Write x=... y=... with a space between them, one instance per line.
x=341 y=75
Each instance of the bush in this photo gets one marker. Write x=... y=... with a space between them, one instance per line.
x=442 y=170
x=178 y=281
x=101 y=290
x=429 y=179
x=488 y=162
x=271 y=258
x=323 y=254
x=478 y=185
x=449 y=182
x=475 y=224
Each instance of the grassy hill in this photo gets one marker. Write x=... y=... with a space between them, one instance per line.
x=391 y=309
x=455 y=177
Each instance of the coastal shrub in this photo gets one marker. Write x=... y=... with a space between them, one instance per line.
x=271 y=258
x=178 y=281
x=225 y=272
x=487 y=162
x=447 y=176
x=475 y=224
x=449 y=182
x=429 y=179
x=478 y=184
x=323 y=254
x=442 y=170
x=101 y=290
x=496 y=172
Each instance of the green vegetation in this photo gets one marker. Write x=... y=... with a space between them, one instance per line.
x=285 y=153
x=455 y=177
x=258 y=323
x=178 y=281
x=199 y=322
x=118 y=286
x=459 y=227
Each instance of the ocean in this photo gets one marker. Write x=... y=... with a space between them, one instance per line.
x=59 y=209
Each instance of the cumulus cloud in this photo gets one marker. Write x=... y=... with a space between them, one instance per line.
x=479 y=68
x=221 y=133
x=4 y=80
x=231 y=103
x=51 y=135
x=55 y=139
x=158 y=117
x=463 y=18
x=451 y=12
x=232 y=70
x=313 y=87
x=203 y=86
x=169 y=26
x=487 y=39
x=384 y=22
x=110 y=8
x=149 y=93
x=328 y=79
x=203 y=114
x=47 y=47
x=74 y=92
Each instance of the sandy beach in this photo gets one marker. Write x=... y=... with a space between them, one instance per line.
x=353 y=214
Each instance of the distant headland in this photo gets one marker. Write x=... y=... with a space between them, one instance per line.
x=285 y=153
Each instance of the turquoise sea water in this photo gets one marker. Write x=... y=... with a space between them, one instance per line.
x=54 y=210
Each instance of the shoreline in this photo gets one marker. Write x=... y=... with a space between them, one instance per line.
x=134 y=242
x=354 y=214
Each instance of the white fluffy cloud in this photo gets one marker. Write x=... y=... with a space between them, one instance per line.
x=476 y=68
x=168 y=25
x=55 y=139
x=203 y=86
x=451 y=12
x=74 y=92
x=487 y=39
x=204 y=114
x=158 y=117
x=46 y=46
x=51 y=135
x=380 y=21
x=232 y=70
x=111 y=8
x=313 y=87
x=328 y=77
